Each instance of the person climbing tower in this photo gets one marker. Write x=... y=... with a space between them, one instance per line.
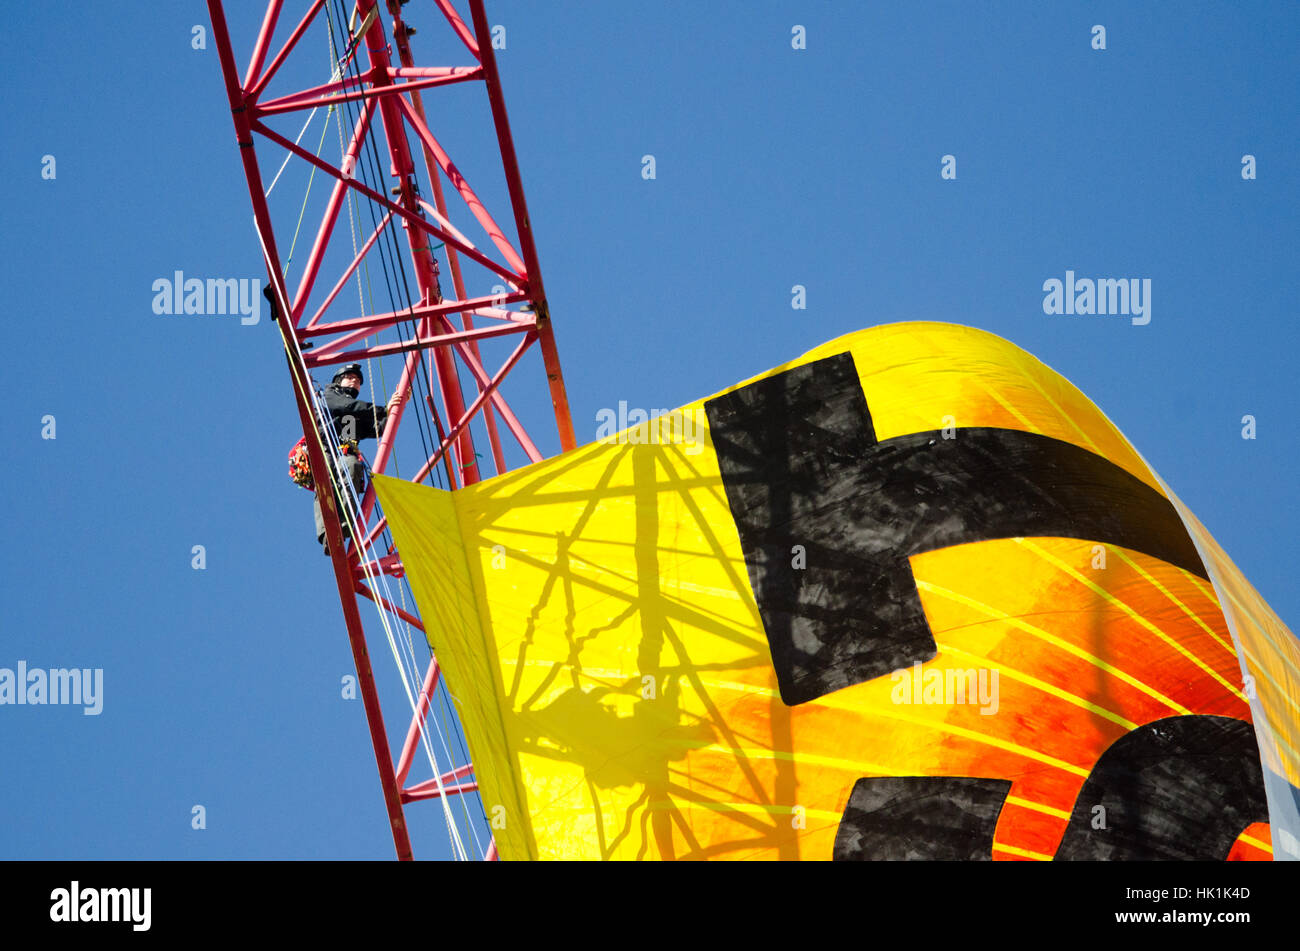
x=354 y=420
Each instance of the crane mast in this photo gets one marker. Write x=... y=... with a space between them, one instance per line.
x=433 y=334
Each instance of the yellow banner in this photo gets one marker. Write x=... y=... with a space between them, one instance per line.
x=911 y=595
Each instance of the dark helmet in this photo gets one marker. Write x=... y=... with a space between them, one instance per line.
x=350 y=368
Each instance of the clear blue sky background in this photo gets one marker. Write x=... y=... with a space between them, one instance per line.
x=775 y=167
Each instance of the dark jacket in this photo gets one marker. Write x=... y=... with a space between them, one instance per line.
x=342 y=402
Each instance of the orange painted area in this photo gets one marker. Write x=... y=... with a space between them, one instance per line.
x=1253 y=845
x=1081 y=661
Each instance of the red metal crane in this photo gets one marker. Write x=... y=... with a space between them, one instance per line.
x=436 y=336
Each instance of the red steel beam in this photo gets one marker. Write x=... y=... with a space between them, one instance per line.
x=428 y=790
x=417 y=722
x=391 y=608
x=263 y=41
x=304 y=100
x=325 y=354
x=379 y=321
x=347 y=275
x=255 y=90
x=423 y=342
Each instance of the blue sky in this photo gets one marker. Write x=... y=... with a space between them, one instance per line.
x=774 y=167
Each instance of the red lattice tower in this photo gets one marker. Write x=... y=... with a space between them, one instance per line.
x=432 y=331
